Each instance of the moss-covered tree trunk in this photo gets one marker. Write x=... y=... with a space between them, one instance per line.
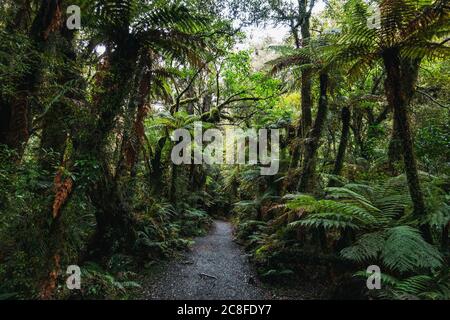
x=93 y=143
x=306 y=90
x=394 y=148
x=339 y=163
x=158 y=167
x=307 y=181
x=17 y=116
x=399 y=87
x=134 y=134
x=305 y=122
x=56 y=121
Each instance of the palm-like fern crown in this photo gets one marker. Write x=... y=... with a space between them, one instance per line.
x=164 y=28
x=115 y=13
x=174 y=31
x=411 y=26
x=299 y=58
x=308 y=57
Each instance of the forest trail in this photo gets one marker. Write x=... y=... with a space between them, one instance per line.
x=215 y=268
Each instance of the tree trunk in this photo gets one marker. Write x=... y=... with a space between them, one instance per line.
x=115 y=225
x=445 y=237
x=340 y=157
x=173 y=184
x=157 y=167
x=394 y=149
x=112 y=212
x=399 y=85
x=306 y=84
x=135 y=131
x=296 y=148
x=55 y=130
x=16 y=124
x=307 y=181
x=344 y=141
x=55 y=124
x=306 y=120
x=306 y=99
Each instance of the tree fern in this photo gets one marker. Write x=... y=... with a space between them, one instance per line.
x=411 y=26
x=115 y=13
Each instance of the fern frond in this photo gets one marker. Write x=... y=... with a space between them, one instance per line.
x=366 y=248
x=406 y=250
x=173 y=17
x=330 y=214
x=350 y=196
x=285 y=62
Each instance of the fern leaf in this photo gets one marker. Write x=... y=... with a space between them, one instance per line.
x=406 y=250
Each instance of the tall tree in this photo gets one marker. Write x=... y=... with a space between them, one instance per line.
x=407 y=34
x=297 y=17
x=307 y=182
x=16 y=111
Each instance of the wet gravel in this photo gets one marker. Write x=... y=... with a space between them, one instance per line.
x=215 y=269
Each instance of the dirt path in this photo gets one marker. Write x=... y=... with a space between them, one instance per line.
x=216 y=268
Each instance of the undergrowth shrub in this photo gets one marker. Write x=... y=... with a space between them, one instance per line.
x=350 y=228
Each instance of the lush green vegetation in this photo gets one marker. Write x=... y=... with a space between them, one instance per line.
x=86 y=119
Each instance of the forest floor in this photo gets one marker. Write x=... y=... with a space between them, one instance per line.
x=215 y=268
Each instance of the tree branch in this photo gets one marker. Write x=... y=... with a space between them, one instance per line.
x=432 y=99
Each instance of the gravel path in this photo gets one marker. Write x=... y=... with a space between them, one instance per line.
x=215 y=269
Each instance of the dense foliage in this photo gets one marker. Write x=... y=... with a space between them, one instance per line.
x=87 y=118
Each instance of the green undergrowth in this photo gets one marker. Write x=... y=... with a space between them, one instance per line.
x=333 y=238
